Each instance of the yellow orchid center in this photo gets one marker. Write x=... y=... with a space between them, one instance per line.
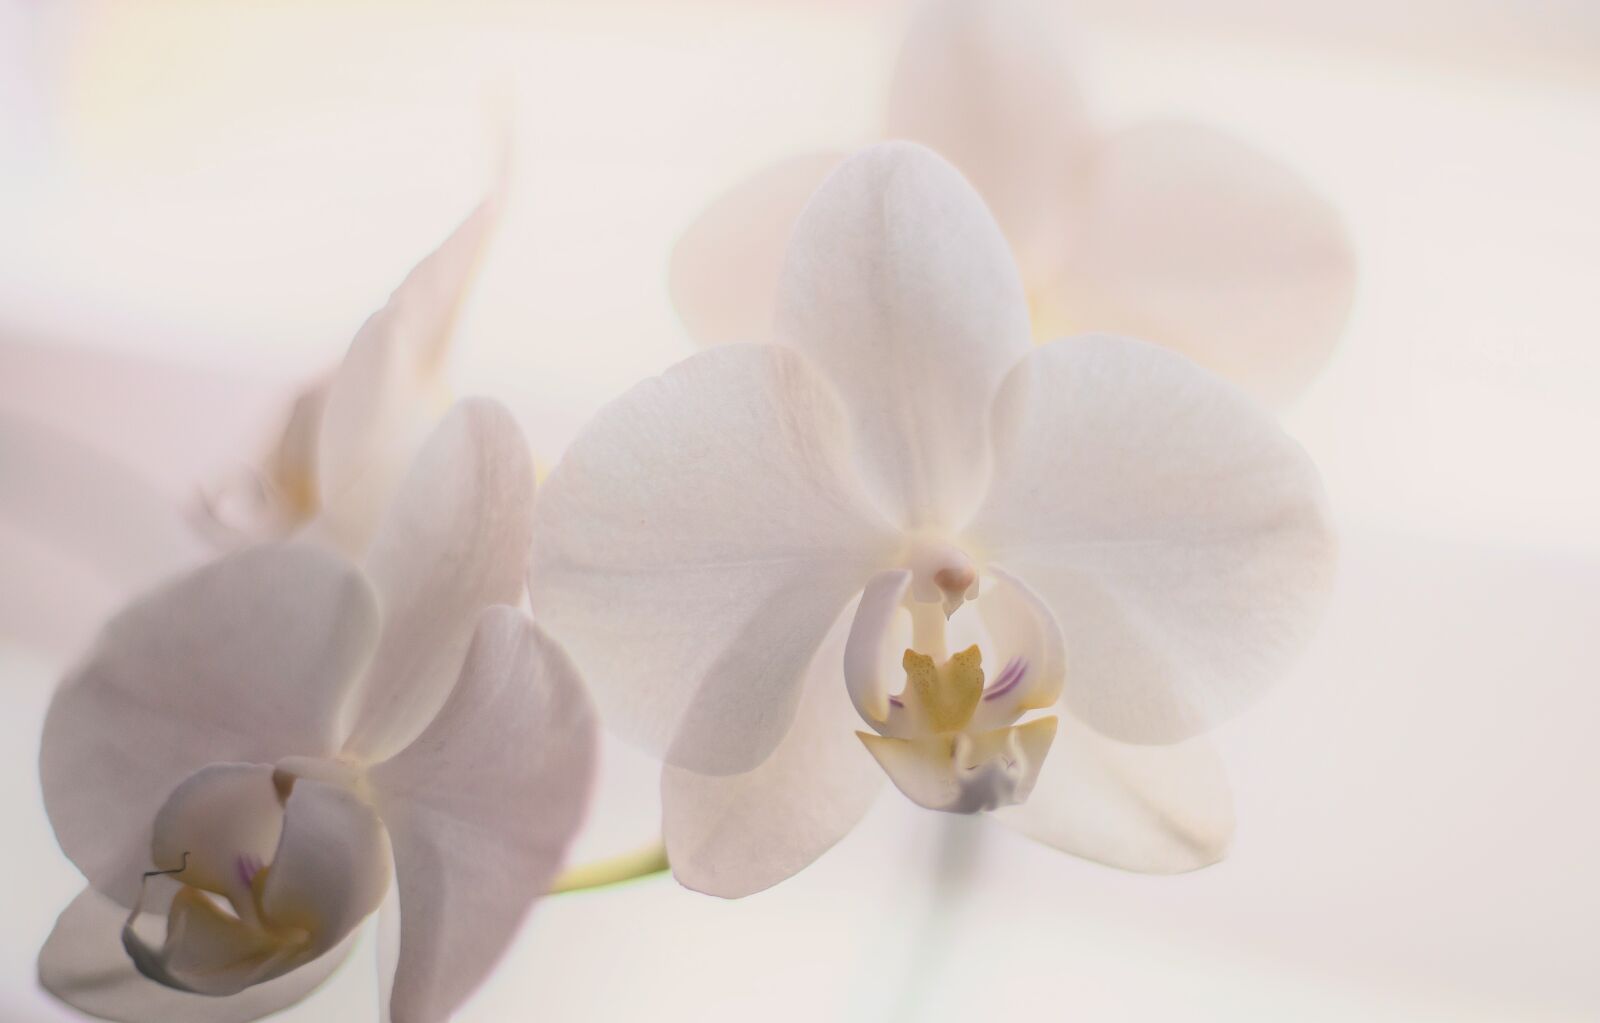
x=946 y=694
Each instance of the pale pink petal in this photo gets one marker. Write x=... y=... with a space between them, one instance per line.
x=1176 y=533
x=695 y=545
x=868 y=684
x=1152 y=809
x=724 y=272
x=989 y=85
x=481 y=810
x=390 y=390
x=900 y=288
x=246 y=659
x=734 y=835
x=1193 y=239
x=454 y=541
x=273 y=499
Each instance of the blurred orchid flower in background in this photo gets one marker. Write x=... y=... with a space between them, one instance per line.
x=1168 y=230
x=346 y=444
x=264 y=731
x=349 y=439
x=732 y=552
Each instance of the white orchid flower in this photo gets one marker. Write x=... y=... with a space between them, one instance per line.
x=736 y=552
x=1168 y=230
x=266 y=731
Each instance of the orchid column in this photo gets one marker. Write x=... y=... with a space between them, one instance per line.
x=905 y=542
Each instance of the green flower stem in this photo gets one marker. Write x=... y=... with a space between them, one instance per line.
x=645 y=862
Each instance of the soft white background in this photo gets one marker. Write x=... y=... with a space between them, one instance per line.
x=231 y=188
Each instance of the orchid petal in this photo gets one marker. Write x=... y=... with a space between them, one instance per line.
x=293 y=462
x=1193 y=239
x=1152 y=809
x=454 y=541
x=900 y=288
x=724 y=273
x=389 y=390
x=388 y=957
x=245 y=659
x=987 y=83
x=735 y=835
x=864 y=650
x=711 y=513
x=481 y=809
x=271 y=500
x=1177 y=534
x=331 y=868
x=84 y=964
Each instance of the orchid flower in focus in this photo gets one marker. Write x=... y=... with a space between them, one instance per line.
x=905 y=542
x=244 y=750
x=1168 y=230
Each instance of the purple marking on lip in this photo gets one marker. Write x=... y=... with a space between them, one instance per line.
x=248 y=867
x=896 y=701
x=1010 y=677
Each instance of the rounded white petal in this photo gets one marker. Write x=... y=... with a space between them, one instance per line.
x=695 y=545
x=245 y=659
x=1153 y=809
x=901 y=289
x=988 y=84
x=1177 y=534
x=389 y=390
x=734 y=835
x=453 y=542
x=84 y=964
x=331 y=867
x=481 y=809
x=1193 y=239
x=724 y=272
